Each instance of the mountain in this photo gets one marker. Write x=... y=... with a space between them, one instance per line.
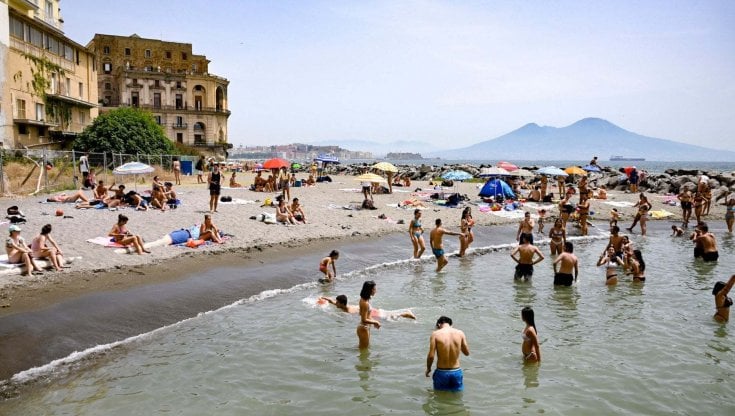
x=580 y=141
x=379 y=149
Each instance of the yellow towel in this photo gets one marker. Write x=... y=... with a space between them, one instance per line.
x=661 y=214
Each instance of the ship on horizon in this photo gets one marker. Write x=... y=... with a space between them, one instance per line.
x=625 y=159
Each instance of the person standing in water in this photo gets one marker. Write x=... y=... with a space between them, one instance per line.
x=558 y=236
x=530 y=348
x=416 y=232
x=567 y=263
x=685 y=198
x=722 y=301
x=637 y=267
x=706 y=240
x=612 y=262
x=525 y=252
x=730 y=213
x=446 y=343
x=437 y=245
x=466 y=238
x=525 y=227
x=363 y=329
x=331 y=259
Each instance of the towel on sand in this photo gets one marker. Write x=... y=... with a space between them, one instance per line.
x=619 y=204
x=238 y=201
x=104 y=241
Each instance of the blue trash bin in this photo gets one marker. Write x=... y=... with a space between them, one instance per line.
x=187 y=167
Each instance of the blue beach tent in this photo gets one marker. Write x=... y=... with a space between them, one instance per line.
x=495 y=187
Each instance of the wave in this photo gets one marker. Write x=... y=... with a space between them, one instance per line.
x=57 y=367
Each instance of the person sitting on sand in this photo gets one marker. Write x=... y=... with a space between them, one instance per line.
x=340 y=302
x=406 y=181
x=233 y=181
x=121 y=235
x=270 y=185
x=534 y=195
x=158 y=198
x=208 y=231
x=326 y=262
x=18 y=251
x=68 y=198
x=41 y=249
x=170 y=193
x=298 y=211
x=259 y=183
x=311 y=181
x=134 y=200
x=602 y=192
x=100 y=191
x=283 y=214
x=722 y=301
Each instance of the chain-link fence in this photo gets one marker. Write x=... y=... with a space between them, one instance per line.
x=31 y=171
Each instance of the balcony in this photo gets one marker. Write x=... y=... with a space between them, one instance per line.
x=184 y=108
x=33 y=50
x=71 y=100
x=179 y=126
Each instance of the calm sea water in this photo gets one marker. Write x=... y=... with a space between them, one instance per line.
x=630 y=349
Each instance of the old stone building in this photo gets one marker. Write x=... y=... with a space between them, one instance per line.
x=49 y=92
x=170 y=81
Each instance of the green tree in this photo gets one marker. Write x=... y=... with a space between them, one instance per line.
x=124 y=130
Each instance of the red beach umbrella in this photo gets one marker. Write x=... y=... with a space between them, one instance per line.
x=276 y=163
x=507 y=166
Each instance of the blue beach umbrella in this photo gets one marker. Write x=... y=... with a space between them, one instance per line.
x=552 y=171
x=495 y=187
x=591 y=168
x=456 y=175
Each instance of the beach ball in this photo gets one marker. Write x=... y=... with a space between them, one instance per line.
x=59 y=212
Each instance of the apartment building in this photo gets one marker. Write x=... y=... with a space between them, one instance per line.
x=49 y=92
x=170 y=81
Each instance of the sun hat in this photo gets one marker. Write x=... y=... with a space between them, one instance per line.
x=13 y=227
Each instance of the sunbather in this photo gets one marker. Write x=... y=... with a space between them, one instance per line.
x=68 y=198
x=43 y=246
x=121 y=235
x=208 y=231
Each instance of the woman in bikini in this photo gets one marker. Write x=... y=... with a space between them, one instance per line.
x=637 y=266
x=208 y=231
x=363 y=329
x=558 y=236
x=584 y=211
x=566 y=209
x=530 y=348
x=176 y=164
x=121 y=235
x=730 y=211
x=611 y=262
x=722 y=301
x=233 y=181
x=326 y=262
x=41 y=250
x=18 y=251
x=642 y=215
x=698 y=206
x=416 y=231
x=283 y=214
x=466 y=237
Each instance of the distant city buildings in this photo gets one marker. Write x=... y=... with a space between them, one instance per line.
x=295 y=151
x=168 y=80
x=49 y=82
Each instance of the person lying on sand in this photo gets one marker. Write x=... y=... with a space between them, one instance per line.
x=68 y=198
x=340 y=302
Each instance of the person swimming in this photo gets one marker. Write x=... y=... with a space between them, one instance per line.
x=340 y=302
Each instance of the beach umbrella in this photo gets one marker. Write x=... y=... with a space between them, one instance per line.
x=551 y=171
x=326 y=158
x=495 y=187
x=133 y=168
x=494 y=171
x=276 y=163
x=456 y=175
x=370 y=177
x=575 y=170
x=591 y=168
x=507 y=166
x=523 y=173
x=385 y=167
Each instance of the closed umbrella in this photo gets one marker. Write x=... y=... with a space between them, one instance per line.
x=575 y=170
x=457 y=175
x=494 y=171
x=507 y=166
x=370 y=177
x=552 y=171
x=276 y=163
x=385 y=167
x=133 y=168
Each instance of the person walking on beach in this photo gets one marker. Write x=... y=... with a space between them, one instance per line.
x=44 y=246
x=199 y=167
x=437 y=244
x=176 y=165
x=325 y=263
x=708 y=243
x=285 y=182
x=416 y=232
x=685 y=199
x=567 y=262
x=84 y=170
x=530 y=347
x=526 y=255
x=722 y=301
x=214 y=179
x=340 y=302
x=698 y=202
x=466 y=238
x=121 y=235
x=565 y=209
x=363 y=329
x=446 y=343
x=525 y=227
x=560 y=185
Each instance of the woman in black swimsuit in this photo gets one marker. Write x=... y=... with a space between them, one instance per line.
x=215 y=182
x=722 y=301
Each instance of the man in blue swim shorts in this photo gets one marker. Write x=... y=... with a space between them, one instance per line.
x=437 y=245
x=446 y=343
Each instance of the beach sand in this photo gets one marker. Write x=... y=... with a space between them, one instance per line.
x=101 y=268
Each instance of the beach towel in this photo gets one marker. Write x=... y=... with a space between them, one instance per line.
x=662 y=213
x=238 y=201
x=537 y=206
x=350 y=190
x=619 y=204
x=105 y=241
x=7 y=268
x=516 y=214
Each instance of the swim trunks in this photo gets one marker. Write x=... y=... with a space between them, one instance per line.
x=524 y=270
x=448 y=380
x=563 y=279
x=214 y=190
x=438 y=252
x=698 y=252
x=711 y=256
x=529 y=237
x=686 y=205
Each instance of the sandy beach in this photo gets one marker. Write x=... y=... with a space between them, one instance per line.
x=98 y=268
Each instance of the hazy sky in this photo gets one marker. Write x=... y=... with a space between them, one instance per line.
x=451 y=73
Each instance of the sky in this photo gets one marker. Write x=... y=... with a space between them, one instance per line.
x=448 y=73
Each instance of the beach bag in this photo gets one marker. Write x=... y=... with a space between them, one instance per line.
x=225 y=198
x=15 y=211
x=368 y=204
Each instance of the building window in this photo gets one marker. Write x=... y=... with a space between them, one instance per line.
x=194 y=68
x=157 y=119
x=179 y=101
x=39 y=112
x=36 y=37
x=168 y=54
x=49 y=9
x=157 y=83
x=127 y=51
x=106 y=50
x=53 y=83
x=22 y=129
x=134 y=99
x=107 y=67
x=147 y=53
x=108 y=99
x=16 y=28
x=82 y=118
x=68 y=87
x=157 y=100
x=183 y=56
x=179 y=136
x=179 y=121
x=108 y=86
x=20 y=106
x=81 y=90
x=178 y=84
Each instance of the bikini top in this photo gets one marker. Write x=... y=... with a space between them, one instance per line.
x=612 y=265
x=524 y=336
x=416 y=224
x=727 y=303
x=556 y=234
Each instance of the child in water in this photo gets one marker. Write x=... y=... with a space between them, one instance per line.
x=541 y=217
x=324 y=266
x=614 y=217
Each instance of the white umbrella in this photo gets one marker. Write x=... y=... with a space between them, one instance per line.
x=493 y=171
x=133 y=168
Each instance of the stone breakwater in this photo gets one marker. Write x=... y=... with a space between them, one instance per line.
x=669 y=182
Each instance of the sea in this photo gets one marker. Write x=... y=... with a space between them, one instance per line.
x=270 y=348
